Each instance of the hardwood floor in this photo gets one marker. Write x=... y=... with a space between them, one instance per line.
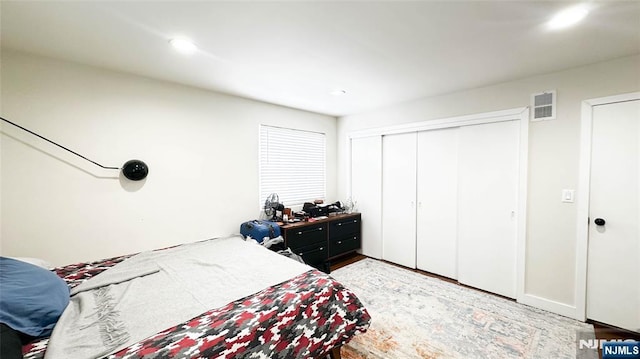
x=607 y=332
x=602 y=331
x=346 y=260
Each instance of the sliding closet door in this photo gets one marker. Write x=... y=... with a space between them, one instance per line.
x=399 y=199
x=487 y=203
x=366 y=191
x=436 y=231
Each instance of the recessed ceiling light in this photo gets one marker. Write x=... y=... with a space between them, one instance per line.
x=568 y=17
x=183 y=45
x=339 y=92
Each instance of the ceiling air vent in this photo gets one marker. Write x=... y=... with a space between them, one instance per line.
x=543 y=106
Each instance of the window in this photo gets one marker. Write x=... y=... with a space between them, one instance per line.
x=292 y=164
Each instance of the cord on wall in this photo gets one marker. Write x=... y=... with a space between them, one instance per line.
x=134 y=170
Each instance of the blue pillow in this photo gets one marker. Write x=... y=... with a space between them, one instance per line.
x=31 y=298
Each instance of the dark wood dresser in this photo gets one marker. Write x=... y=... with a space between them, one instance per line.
x=323 y=240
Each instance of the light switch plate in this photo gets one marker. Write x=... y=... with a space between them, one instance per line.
x=568 y=195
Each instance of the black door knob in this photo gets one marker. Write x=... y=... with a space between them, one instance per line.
x=599 y=222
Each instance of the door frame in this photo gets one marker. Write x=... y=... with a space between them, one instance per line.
x=582 y=199
x=520 y=114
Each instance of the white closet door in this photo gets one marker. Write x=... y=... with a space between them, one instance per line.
x=398 y=199
x=436 y=232
x=487 y=203
x=613 y=271
x=366 y=191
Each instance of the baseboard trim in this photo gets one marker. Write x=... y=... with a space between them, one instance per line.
x=551 y=306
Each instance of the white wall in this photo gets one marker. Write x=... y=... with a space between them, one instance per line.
x=553 y=156
x=201 y=148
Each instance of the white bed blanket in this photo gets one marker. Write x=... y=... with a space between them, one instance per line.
x=153 y=291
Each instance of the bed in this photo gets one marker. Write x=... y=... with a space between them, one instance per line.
x=259 y=304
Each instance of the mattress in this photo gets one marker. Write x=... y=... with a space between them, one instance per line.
x=272 y=307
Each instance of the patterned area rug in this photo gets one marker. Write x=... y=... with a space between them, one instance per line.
x=415 y=316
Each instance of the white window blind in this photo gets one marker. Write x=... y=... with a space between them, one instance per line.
x=292 y=164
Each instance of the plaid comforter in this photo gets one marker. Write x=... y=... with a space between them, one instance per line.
x=303 y=317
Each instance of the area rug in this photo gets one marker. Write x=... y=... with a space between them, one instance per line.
x=416 y=316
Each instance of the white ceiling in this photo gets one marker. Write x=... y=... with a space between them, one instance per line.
x=295 y=53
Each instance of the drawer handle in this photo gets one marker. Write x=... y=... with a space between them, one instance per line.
x=339 y=242
x=339 y=224
x=355 y=237
x=355 y=221
x=309 y=231
x=321 y=249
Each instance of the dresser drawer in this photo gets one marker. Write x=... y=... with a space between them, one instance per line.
x=306 y=235
x=314 y=254
x=338 y=246
x=343 y=227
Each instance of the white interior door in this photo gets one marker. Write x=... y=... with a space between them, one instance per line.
x=613 y=271
x=366 y=191
x=399 y=198
x=487 y=204
x=436 y=230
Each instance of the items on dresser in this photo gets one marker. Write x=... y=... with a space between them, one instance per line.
x=320 y=241
x=319 y=209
